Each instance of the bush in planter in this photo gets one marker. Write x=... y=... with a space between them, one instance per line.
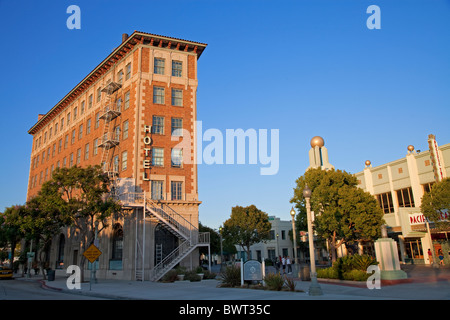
x=209 y=275
x=274 y=281
x=192 y=276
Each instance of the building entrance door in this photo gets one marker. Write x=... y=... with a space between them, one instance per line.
x=165 y=243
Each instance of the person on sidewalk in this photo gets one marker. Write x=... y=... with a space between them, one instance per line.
x=430 y=256
x=283 y=262
x=441 y=257
x=289 y=265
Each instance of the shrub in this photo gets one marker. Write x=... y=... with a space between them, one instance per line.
x=356 y=275
x=170 y=276
x=192 y=276
x=363 y=262
x=328 y=273
x=290 y=283
x=209 y=275
x=231 y=276
x=274 y=281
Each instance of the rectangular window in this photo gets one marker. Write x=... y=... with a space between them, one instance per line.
x=158 y=157
x=86 y=151
x=75 y=113
x=427 y=187
x=88 y=127
x=175 y=187
x=158 y=95
x=62 y=123
x=80 y=132
x=124 y=160
x=405 y=198
x=385 y=202
x=68 y=118
x=159 y=66
x=119 y=104
x=157 y=189
x=59 y=145
x=66 y=141
x=127 y=100
x=97 y=120
x=99 y=94
x=177 y=67
x=73 y=136
x=71 y=160
x=177 y=127
x=64 y=162
x=82 y=108
x=125 y=130
x=177 y=97
x=116 y=164
x=95 y=147
x=90 y=101
x=120 y=76
x=158 y=125
x=128 y=71
x=177 y=157
x=78 y=156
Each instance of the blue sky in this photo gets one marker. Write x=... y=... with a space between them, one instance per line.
x=304 y=67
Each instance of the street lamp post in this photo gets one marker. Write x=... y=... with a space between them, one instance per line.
x=294 y=235
x=314 y=289
x=221 y=248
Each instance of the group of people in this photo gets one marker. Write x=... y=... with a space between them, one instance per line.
x=283 y=263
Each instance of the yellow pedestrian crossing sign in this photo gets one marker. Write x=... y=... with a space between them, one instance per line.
x=92 y=253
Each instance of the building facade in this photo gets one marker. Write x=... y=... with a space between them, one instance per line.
x=398 y=187
x=279 y=244
x=134 y=115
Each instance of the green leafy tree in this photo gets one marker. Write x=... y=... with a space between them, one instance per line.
x=343 y=212
x=10 y=231
x=247 y=226
x=79 y=197
x=436 y=202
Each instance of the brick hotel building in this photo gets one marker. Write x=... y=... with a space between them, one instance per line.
x=135 y=115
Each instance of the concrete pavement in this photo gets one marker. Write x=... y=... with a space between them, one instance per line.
x=423 y=283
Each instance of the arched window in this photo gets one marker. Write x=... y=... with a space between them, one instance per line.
x=62 y=244
x=117 y=242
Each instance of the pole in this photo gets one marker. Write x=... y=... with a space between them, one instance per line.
x=314 y=289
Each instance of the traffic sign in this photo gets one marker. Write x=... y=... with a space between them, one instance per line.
x=92 y=253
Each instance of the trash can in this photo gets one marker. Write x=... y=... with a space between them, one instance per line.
x=305 y=273
x=50 y=275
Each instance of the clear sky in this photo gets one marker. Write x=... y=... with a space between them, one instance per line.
x=305 y=68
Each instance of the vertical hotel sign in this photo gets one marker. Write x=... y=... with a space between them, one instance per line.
x=435 y=159
x=147 y=153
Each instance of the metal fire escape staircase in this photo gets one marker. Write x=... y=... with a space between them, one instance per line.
x=189 y=236
x=111 y=113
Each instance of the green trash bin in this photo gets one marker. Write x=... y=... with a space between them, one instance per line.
x=305 y=273
x=50 y=275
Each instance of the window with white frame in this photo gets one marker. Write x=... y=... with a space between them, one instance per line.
x=177 y=67
x=176 y=190
x=157 y=190
x=158 y=95
x=158 y=157
x=158 y=67
x=177 y=157
x=158 y=125
x=177 y=97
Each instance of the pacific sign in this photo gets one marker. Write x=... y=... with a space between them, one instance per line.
x=419 y=218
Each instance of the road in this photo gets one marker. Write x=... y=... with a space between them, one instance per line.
x=32 y=290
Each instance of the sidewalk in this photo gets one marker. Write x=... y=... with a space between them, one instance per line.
x=423 y=283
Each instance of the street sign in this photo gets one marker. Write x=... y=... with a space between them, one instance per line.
x=253 y=270
x=92 y=253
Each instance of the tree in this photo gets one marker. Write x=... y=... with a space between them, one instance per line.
x=344 y=213
x=78 y=196
x=436 y=202
x=247 y=226
x=10 y=231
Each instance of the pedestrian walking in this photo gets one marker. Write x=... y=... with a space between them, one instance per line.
x=289 y=265
x=441 y=257
x=283 y=262
x=430 y=255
